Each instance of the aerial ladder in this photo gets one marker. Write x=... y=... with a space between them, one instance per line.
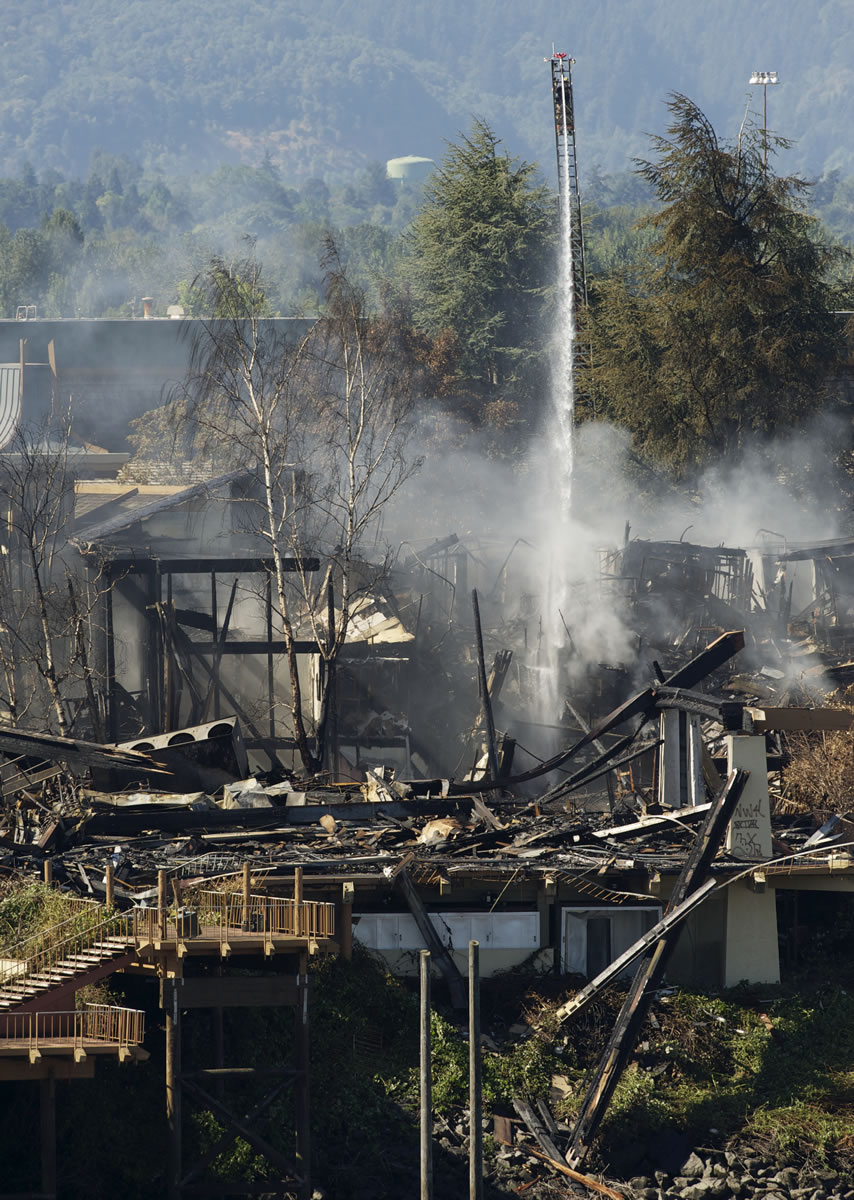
x=567 y=165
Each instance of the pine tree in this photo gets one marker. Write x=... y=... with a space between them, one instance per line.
x=478 y=263
x=727 y=327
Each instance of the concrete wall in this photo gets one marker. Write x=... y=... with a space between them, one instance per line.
x=506 y=939
x=752 y=952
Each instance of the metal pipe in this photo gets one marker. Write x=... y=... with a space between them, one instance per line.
x=247 y=880
x=475 y=1104
x=161 y=903
x=298 y=924
x=426 y=1082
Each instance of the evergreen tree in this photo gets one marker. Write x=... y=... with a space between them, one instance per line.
x=727 y=327
x=478 y=263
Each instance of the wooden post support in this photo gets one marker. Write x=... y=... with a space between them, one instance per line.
x=475 y=1105
x=173 y=1085
x=303 y=1097
x=48 y=872
x=47 y=1113
x=345 y=922
x=247 y=898
x=161 y=903
x=426 y=1082
x=298 y=928
x=109 y=883
x=218 y=1038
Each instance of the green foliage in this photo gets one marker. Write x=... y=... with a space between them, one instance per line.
x=478 y=262
x=726 y=328
x=450 y=1064
x=29 y=910
x=522 y=1068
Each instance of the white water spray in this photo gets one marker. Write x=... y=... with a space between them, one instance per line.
x=563 y=381
x=560 y=434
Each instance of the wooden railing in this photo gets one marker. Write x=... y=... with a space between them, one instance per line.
x=121 y=1027
x=224 y=915
x=52 y=951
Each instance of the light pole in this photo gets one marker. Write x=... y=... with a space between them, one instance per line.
x=764 y=78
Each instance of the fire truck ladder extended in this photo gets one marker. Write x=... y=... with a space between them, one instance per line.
x=567 y=168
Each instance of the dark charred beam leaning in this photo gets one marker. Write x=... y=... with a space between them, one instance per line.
x=650 y=973
x=446 y=964
x=643 y=704
x=72 y=751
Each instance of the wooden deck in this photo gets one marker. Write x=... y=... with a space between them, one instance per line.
x=97 y=1029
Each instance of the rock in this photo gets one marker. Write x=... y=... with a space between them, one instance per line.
x=735 y=1185
x=718 y=1170
x=662 y=1179
x=693 y=1167
x=705 y=1189
x=787 y=1176
x=639 y=1182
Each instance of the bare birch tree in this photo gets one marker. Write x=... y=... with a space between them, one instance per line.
x=319 y=424
x=46 y=614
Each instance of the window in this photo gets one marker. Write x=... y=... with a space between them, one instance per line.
x=591 y=938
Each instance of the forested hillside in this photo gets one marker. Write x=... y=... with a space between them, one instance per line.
x=330 y=85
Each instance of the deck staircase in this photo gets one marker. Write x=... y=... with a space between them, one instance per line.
x=48 y=968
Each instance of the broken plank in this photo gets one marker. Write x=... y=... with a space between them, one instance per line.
x=791 y=720
x=649 y=824
x=577 y=1176
x=536 y=1128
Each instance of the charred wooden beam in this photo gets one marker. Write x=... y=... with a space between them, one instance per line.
x=640 y=705
x=147 y=565
x=483 y=688
x=74 y=752
x=456 y=983
x=650 y=973
x=536 y=1128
